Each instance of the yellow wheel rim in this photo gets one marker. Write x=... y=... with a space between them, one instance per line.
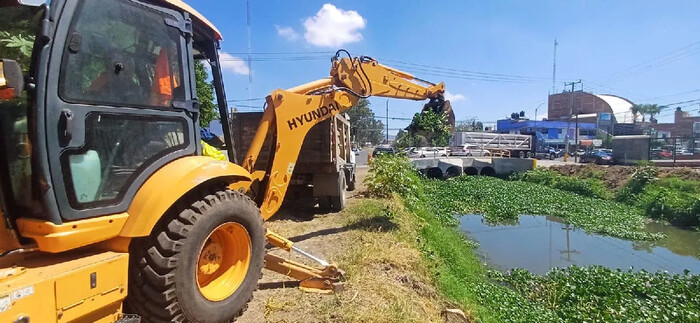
x=223 y=261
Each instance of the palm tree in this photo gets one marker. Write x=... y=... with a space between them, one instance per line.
x=644 y=109
x=652 y=110
x=638 y=109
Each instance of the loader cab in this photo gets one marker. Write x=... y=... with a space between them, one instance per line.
x=106 y=97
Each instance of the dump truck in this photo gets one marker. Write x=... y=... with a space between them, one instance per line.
x=109 y=211
x=325 y=169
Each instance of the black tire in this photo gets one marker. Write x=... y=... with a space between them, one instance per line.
x=324 y=203
x=351 y=185
x=338 y=202
x=551 y=157
x=162 y=267
x=521 y=154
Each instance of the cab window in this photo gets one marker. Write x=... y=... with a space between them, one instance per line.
x=120 y=54
x=18 y=27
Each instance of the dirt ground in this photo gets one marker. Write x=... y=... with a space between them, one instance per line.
x=384 y=277
x=616 y=177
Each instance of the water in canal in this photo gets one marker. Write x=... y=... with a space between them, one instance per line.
x=538 y=243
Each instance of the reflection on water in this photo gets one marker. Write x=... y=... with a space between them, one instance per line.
x=538 y=243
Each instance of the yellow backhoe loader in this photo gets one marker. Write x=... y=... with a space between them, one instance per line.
x=108 y=210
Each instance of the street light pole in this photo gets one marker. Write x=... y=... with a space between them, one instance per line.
x=568 y=124
x=387 y=121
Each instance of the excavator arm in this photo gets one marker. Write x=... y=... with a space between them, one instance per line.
x=292 y=113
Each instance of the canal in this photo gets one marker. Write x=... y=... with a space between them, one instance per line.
x=538 y=243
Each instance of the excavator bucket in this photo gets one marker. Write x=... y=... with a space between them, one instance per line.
x=440 y=106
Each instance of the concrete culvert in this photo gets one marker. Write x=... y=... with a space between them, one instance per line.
x=453 y=171
x=488 y=171
x=434 y=173
x=471 y=171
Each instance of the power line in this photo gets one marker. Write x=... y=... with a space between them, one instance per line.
x=466 y=72
x=284 y=53
x=414 y=67
x=393 y=118
x=245 y=100
x=670 y=57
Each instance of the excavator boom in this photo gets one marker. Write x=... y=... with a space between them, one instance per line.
x=292 y=113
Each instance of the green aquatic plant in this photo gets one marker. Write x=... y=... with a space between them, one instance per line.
x=599 y=294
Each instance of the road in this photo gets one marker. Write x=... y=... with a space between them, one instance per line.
x=361 y=159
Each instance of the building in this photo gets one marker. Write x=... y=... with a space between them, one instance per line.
x=610 y=113
x=554 y=132
x=683 y=126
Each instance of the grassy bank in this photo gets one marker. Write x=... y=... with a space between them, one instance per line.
x=663 y=196
x=573 y=294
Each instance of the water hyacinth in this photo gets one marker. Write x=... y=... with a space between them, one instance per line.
x=599 y=294
x=501 y=200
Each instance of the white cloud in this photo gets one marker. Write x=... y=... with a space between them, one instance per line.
x=333 y=27
x=287 y=33
x=454 y=97
x=233 y=64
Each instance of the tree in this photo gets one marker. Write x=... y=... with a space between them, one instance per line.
x=205 y=95
x=16 y=34
x=652 y=110
x=432 y=126
x=469 y=125
x=644 y=109
x=364 y=124
x=408 y=139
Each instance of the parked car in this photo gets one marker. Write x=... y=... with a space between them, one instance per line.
x=661 y=154
x=383 y=150
x=469 y=150
x=356 y=151
x=423 y=152
x=684 y=152
x=599 y=157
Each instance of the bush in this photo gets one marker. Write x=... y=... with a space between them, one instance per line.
x=643 y=175
x=670 y=199
x=675 y=206
x=391 y=174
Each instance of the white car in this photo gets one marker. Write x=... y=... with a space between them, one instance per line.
x=470 y=150
x=423 y=152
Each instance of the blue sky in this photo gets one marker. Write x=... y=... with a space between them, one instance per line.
x=612 y=46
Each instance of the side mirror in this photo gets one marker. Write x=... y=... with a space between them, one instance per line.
x=11 y=79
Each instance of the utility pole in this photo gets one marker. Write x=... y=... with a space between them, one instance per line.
x=568 y=251
x=554 y=67
x=387 y=121
x=250 y=71
x=568 y=123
